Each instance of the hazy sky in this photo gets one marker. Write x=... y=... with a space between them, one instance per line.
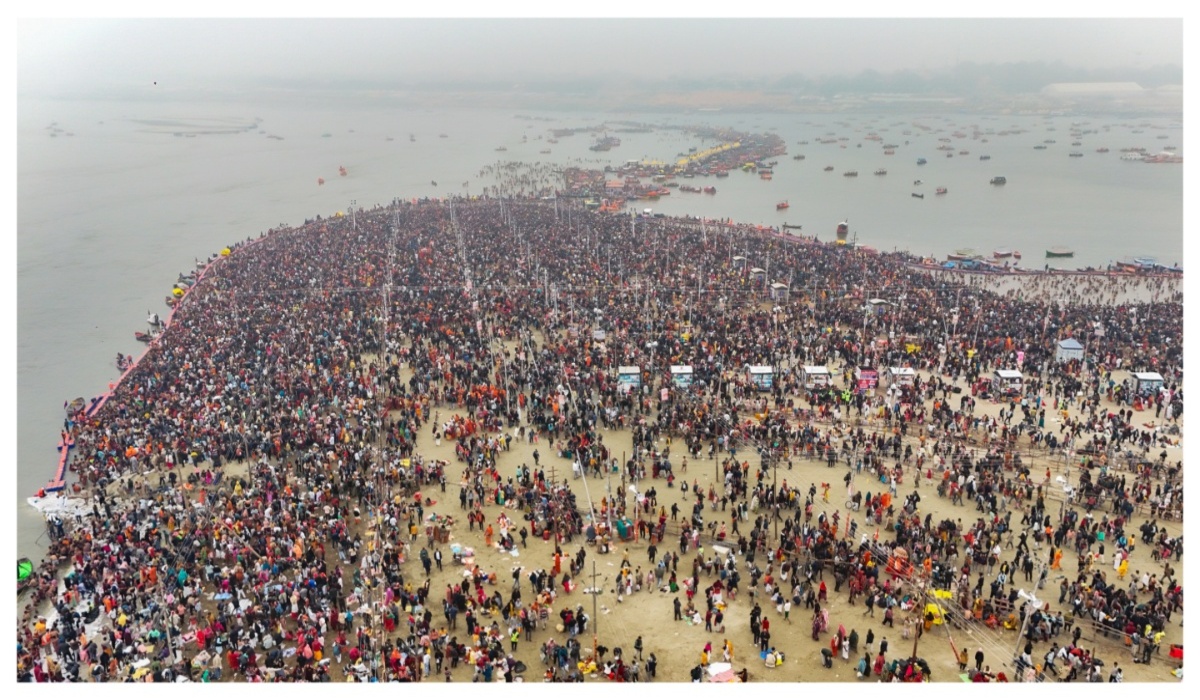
x=67 y=54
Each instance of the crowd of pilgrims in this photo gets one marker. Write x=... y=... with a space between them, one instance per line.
x=318 y=354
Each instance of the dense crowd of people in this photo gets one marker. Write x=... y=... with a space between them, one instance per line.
x=315 y=356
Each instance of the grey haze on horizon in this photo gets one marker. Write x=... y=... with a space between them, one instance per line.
x=61 y=57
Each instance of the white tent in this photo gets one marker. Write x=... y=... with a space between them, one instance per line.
x=815 y=376
x=762 y=376
x=1068 y=349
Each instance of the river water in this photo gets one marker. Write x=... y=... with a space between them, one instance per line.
x=124 y=196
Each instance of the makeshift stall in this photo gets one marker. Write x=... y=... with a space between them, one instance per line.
x=462 y=555
x=1008 y=382
x=438 y=527
x=624 y=528
x=866 y=379
x=629 y=378
x=681 y=375
x=1146 y=383
x=901 y=376
x=758 y=274
x=779 y=291
x=739 y=261
x=815 y=376
x=761 y=376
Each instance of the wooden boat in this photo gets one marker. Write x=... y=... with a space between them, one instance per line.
x=782 y=205
x=941 y=190
x=881 y=171
x=1002 y=253
x=998 y=180
x=918 y=195
x=1059 y=252
x=828 y=168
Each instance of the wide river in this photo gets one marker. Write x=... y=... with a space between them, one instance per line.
x=116 y=198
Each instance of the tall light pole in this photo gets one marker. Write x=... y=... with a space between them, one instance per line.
x=1031 y=604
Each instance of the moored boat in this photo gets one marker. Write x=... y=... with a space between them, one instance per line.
x=1059 y=252
x=1002 y=253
